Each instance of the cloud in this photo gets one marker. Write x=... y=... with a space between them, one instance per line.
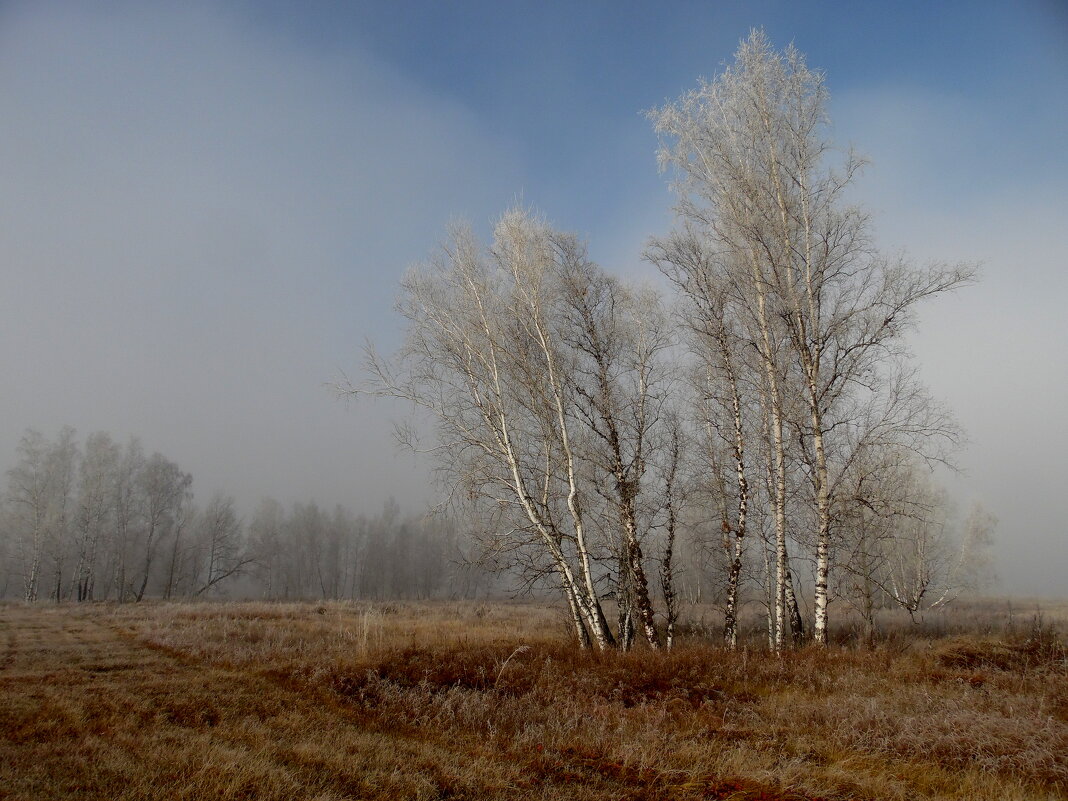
x=202 y=222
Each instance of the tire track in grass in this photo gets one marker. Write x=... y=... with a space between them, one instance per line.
x=89 y=712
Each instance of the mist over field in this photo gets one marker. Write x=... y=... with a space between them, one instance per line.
x=207 y=209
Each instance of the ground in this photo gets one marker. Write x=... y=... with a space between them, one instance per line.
x=491 y=701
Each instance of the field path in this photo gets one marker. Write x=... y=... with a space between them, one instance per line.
x=88 y=712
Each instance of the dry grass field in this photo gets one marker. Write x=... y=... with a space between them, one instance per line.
x=490 y=701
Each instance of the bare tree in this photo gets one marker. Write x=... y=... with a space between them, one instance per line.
x=127 y=517
x=544 y=378
x=929 y=562
x=40 y=513
x=757 y=186
x=62 y=465
x=28 y=497
x=485 y=361
x=107 y=522
x=617 y=338
x=722 y=405
x=96 y=501
x=223 y=552
x=163 y=489
x=177 y=571
x=266 y=546
x=672 y=501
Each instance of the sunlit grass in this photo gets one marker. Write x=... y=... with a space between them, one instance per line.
x=469 y=700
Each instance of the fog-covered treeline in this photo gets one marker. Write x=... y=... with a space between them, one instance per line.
x=103 y=520
x=309 y=552
x=759 y=436
x=97 y=520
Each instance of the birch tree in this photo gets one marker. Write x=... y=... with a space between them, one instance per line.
x=41 y=513
x=28 y=498
x=722 y=403
x=96 y=479
x=483 y=360
x=759 y=184
x=177 y=570
x=105 y=522
x=931 y=557
x=127 y=516
x=617 y=338
x=61 y=465
x=545 y=381
x=163 y=488
x=266 y=545
x=220 y=534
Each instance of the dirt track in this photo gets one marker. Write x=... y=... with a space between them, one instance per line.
x=86 y=711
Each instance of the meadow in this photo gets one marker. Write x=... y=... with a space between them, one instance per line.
x=492 y=701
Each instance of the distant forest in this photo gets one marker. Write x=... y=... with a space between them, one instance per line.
x=96 y=520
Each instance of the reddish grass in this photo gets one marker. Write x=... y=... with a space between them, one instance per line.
x=491 y=701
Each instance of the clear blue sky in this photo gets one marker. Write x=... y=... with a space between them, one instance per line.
x=205 y=207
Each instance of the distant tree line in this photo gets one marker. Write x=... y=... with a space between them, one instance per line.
x=98 y=520
x=761 y=436
x=308 y=552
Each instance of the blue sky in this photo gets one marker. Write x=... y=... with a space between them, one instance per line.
x=565 y=83
x=206 y=208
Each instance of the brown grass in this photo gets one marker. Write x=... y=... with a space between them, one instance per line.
x=477 y=701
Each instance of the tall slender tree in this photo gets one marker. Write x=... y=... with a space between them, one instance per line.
x=759 y=185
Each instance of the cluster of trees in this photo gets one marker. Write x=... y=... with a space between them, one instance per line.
x=105 y=521
x=907 y=547
x=98 y=520
x=310 y=553
x=762 y=431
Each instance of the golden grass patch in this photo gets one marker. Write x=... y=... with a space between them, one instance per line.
x=491 y=701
